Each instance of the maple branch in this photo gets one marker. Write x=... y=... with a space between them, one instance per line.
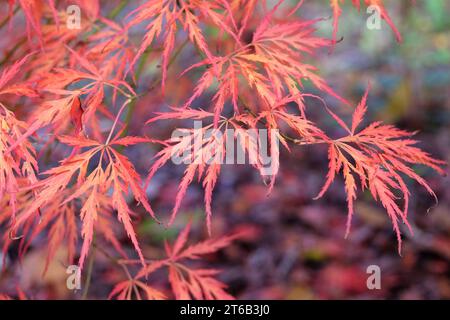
x=285 y=136
x=152 y=86
x=106 y=254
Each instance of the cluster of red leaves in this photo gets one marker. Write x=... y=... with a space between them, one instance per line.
x=186 y=282
x=378 y=155
x=250 y=61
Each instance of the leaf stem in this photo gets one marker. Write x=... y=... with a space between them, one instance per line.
x=116 y=120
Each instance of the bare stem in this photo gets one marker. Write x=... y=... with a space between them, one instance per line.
x=87 y=283
x=153 y=85
x=116 y=120
x=5 y=21
x=118 y=9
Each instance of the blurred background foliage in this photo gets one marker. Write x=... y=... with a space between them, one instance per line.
x=295 y=248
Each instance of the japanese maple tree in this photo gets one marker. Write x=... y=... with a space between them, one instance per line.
x=71 y=108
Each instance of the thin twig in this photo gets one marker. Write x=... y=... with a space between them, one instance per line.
x=11 y=52
x=283 y=135
x=87 y=283
x=5 y=21
x=118 y=9
x=153 y=85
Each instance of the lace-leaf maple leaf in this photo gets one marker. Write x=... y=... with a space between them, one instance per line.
x=60 y=221
x=22 y=89
x=378 y=155
x=117 y=176
x=187 y=282
x=272 y=65
x=124 y=291
x=33 y=11
x=168 y=13
x=203 y=151
x=18 y=163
